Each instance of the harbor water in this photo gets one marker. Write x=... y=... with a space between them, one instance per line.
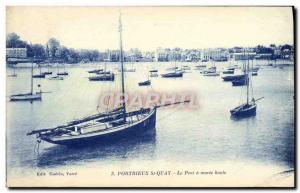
x=203 y=135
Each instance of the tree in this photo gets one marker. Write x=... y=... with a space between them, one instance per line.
x=14 y=41
x=39 y=51
x=53 y=45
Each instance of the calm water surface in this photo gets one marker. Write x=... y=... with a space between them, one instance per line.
x=206 y=134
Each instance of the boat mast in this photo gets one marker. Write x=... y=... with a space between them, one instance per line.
x=122 y=70
x=247 y=76
x=31 y=78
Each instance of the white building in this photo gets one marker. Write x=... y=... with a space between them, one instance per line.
x=16 y=52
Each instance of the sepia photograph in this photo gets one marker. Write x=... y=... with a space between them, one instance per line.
x=150 y=96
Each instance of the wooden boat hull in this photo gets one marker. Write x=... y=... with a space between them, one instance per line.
x=245 y=110
x=172 y=75
x=26 y=97
x=39 y=76
x=56 y=78
x=104 y=77
x=228 y=72
x=145 y=83
x=63 y=73
x=130 y=131
x=47 y=73
x=211 y=74
x=239 y=82
x=95 y=71
x=153 y=75
x=232 y=78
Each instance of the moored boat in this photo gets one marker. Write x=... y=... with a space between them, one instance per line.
x=175 y=74
x=28 y=96
x=103 y=77
x=233 y=77
x=63 y=73
x=95 y=71
x=247 y=109
x=239 y=82
x=56 y=78
x=145 y=83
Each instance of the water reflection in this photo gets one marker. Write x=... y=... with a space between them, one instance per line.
x=142 y=147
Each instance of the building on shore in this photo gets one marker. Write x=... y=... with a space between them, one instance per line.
x=16 y=53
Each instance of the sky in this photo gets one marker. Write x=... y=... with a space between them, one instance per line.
x=147 y=28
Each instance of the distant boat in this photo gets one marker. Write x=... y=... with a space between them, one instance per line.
x=145 y=83
x=175 y=74
x=56 y=78
x=239 y=82
x=103 y=75
x=40 y=75
x=95 y=71
x=154 y=75
x=186 y=67
x=255 y=69
x=64 y=73
x=104 y=72
x=212 y=71
x=28 y=96
x=132 y=69
x=14 y=72
x=247 y=109
x=128 y=70
x=200 y=67
x=153 y=71
x=233 y=77
x=211 y=74
x=48 y=72
x=229 y=70
x=173 y=68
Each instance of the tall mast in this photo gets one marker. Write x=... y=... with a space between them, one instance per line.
x=122 y=69
x=247 y=77
x=31 y=78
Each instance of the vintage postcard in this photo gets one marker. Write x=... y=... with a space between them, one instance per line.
x=150 y=96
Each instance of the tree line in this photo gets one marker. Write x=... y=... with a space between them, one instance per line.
x=53 y=51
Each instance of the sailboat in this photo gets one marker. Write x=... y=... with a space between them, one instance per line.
x=28 y=96
x=145 y=83
x=103 y=127
x=212 y=71
x=57 y=77
x=153 y=72
x=48 y=72
x=103 y=75
x=14 y=72
x=242 y=81
x=132 y=69
x=97 y=70
x=64 y=73
x=175 y=74
x=40 y=75
x=247 y=109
